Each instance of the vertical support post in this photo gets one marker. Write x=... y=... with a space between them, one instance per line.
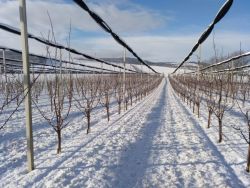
x=33 y=72
x=124 y=77
x=147 y=82
x=5 y=71
x=60 y=64
x=232 y=72
x=199 y=74
x=1 y=69
x=199 y=61
x=102 y=70
x=141 y=72
x=141 y=81
x=27 y=86
x=60 y=80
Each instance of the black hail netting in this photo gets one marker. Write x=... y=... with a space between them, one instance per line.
x=56 y=45
x=222 y=12
x=107 y=28
x=53 y=60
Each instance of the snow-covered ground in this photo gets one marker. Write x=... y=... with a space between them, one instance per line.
x=156 y=143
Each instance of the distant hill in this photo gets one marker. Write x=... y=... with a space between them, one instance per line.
x=136 y=62
x=17 y=56
x=189 y=65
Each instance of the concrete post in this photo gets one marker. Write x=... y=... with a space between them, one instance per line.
x=27 y=86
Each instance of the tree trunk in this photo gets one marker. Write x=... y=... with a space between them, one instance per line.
x=220 y=130
x=209 y=118
x=119 y=107
x=244 y=100
x=107 y=109
x=88 y=120
x=59 y=137
x=51 y=103
x=198 y=109
x=248 y=159
x=37 y=97
x=17 y=100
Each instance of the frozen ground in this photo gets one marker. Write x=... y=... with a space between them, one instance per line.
x=156 y=143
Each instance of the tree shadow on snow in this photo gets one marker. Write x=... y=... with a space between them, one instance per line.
x=231 y=178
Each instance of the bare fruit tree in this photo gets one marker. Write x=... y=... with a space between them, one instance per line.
x=88 y=97
x=222 y=103
x=118 y=91
x=60 y=105
x=105 y=89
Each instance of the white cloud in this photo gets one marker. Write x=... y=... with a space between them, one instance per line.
x=122 y=20
x=132 y=19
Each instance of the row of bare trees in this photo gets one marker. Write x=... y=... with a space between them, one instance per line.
x=11 y=97
x=11 y=94
x=86 y=93
x=219 y=93
x=61 y=92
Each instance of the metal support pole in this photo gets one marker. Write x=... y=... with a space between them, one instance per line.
x=27 y=86
x=124 y=77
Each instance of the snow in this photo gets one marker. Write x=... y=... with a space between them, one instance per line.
x=164 y=70
x=158 y=142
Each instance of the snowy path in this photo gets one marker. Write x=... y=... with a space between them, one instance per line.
x=172 y=151
x=157 y=143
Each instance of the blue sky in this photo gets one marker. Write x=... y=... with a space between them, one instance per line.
x=193 y=15
x=162 y=30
